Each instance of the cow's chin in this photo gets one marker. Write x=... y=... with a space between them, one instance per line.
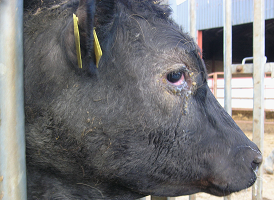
x=214 y=186
x=219 y=188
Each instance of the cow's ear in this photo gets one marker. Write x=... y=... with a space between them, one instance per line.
x=83 y=26
x=79 y=38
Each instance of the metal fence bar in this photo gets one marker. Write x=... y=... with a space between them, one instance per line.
x=227 y=51
x=192 y=197
x=215 y=78
x=227 y=54
x=192 y=19
x=248 y=68
x=258 y=78
x=145 y=198
x=12 y=138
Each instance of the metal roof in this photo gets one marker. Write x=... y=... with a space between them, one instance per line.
x=210 y=13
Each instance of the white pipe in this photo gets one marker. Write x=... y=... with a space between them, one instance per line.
x=258 y=96
x=12 y=138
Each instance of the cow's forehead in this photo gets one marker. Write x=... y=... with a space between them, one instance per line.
x=160 y=33
x=165 y=46
x=170 y=45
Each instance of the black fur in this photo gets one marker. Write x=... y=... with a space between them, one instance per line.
x=122 y=131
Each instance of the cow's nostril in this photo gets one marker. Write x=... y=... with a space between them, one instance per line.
x=257 y=162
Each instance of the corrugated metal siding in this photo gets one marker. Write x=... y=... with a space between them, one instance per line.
x=242 y=12
x=269 y=9
x=210 y=13
x=182 y=15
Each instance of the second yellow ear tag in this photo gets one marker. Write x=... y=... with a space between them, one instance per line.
x=97 y=48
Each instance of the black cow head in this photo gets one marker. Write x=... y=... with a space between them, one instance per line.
x=143 y=122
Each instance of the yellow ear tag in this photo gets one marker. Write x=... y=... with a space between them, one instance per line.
x=77 y=40
x=97 y=48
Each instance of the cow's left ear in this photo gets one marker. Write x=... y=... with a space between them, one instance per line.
x=83 y=47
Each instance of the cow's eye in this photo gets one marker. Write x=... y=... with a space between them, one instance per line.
x=176 y=77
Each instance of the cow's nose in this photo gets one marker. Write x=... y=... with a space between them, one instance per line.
x=257 y=162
